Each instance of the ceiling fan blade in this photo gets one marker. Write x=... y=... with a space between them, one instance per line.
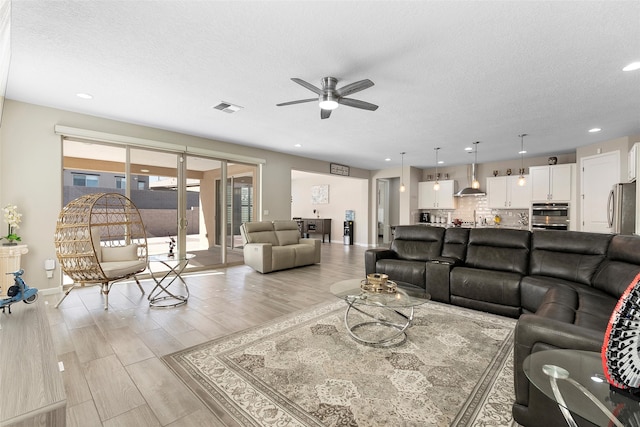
x=324 y=114
x=357 y=104
x=300 y=101
x=354 y=87
x=309 y=86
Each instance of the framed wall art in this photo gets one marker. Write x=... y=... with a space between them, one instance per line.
x=319 y=194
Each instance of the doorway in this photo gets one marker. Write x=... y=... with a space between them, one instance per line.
x=383 y=212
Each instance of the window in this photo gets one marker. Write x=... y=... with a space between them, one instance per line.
x=121 y=182
x=85 y=180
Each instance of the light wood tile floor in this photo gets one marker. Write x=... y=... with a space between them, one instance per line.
x=113 y=373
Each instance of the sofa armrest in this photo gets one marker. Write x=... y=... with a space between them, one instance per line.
x=316 y=246
x=447 y=260
x=437 y=281
x=534 y=333
x=258 y=256
x=371 y=257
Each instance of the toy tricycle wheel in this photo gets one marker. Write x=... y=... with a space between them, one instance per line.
x=31 y=299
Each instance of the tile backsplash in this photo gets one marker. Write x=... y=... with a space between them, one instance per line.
x=468 y=206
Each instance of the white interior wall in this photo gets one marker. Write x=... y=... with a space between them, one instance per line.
x=345 y=193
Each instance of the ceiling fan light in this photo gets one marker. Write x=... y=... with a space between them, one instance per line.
x=328 y=105
x=328 y=102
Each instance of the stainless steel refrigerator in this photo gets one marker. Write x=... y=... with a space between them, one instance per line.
x=621 y=209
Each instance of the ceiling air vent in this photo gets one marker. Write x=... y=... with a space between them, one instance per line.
x=227 y=107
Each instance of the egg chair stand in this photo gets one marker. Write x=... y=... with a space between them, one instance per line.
x=100 y=239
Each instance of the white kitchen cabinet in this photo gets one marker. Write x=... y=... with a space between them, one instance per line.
x=551 y=183
x=503 y=192
x=428 y=198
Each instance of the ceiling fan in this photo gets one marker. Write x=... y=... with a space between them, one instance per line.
x=329 y=97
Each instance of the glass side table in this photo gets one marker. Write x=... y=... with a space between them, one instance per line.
x=378 y=319
x=161 y=295
x=575 y=380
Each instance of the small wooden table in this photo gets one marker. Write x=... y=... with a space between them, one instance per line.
x=316 y=226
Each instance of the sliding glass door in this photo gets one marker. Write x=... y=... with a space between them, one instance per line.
x=154 y=190
x=179 y=195
x=239 y=194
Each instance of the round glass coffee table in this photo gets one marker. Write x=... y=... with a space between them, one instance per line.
x=378 y=319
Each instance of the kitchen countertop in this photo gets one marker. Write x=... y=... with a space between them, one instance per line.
x=470 y=225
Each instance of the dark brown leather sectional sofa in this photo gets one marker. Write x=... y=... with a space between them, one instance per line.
x=561 y=285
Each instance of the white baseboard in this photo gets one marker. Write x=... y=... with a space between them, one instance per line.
x=50 y=291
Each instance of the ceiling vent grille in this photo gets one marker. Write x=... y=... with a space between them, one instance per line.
x=227 y=107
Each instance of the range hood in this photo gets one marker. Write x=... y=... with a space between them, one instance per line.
x=470 y=191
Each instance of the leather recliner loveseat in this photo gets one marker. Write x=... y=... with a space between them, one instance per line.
x=561 y=285
x=270 y=246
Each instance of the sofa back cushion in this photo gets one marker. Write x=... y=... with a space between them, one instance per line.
x=259 y=232
x=620 y=267
x=501 y=249
x=287 y=232
x=455 y=243
x=417 y=242
x=568 y=255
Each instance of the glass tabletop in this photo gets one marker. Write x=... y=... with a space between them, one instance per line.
x=167 y=258
x=350 y=290
x=582 y=385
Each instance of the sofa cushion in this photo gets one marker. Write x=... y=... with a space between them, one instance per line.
x=305 y=254
x=412 y=272
x=455 y=243
x=498 y=287
x=417 y=242
x=287 y=232
x=283 y=257
x=260 y=232
x=584 y=309
x=569 y=255
x=499 y=250
x=620 y=267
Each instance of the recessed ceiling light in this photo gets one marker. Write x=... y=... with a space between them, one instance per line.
x=522 y=152
x=144 y=170
x=440 y=162
x=84 y=95
x=594 y=130
x=468 y=149
x=632 y=67
x=298 y=145
x=388 y=159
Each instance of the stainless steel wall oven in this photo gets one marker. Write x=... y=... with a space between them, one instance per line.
x=550 y=216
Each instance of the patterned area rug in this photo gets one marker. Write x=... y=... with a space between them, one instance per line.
x=454 y=369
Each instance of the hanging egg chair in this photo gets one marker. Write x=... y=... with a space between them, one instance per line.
x=100 y=239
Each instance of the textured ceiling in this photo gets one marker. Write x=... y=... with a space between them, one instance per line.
x=446 y=73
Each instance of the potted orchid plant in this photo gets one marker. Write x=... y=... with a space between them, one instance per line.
x=13 y=219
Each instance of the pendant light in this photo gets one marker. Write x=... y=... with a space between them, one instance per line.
x=436 y=186
x=521 y=180
x=402 y=187
x=475 y=184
